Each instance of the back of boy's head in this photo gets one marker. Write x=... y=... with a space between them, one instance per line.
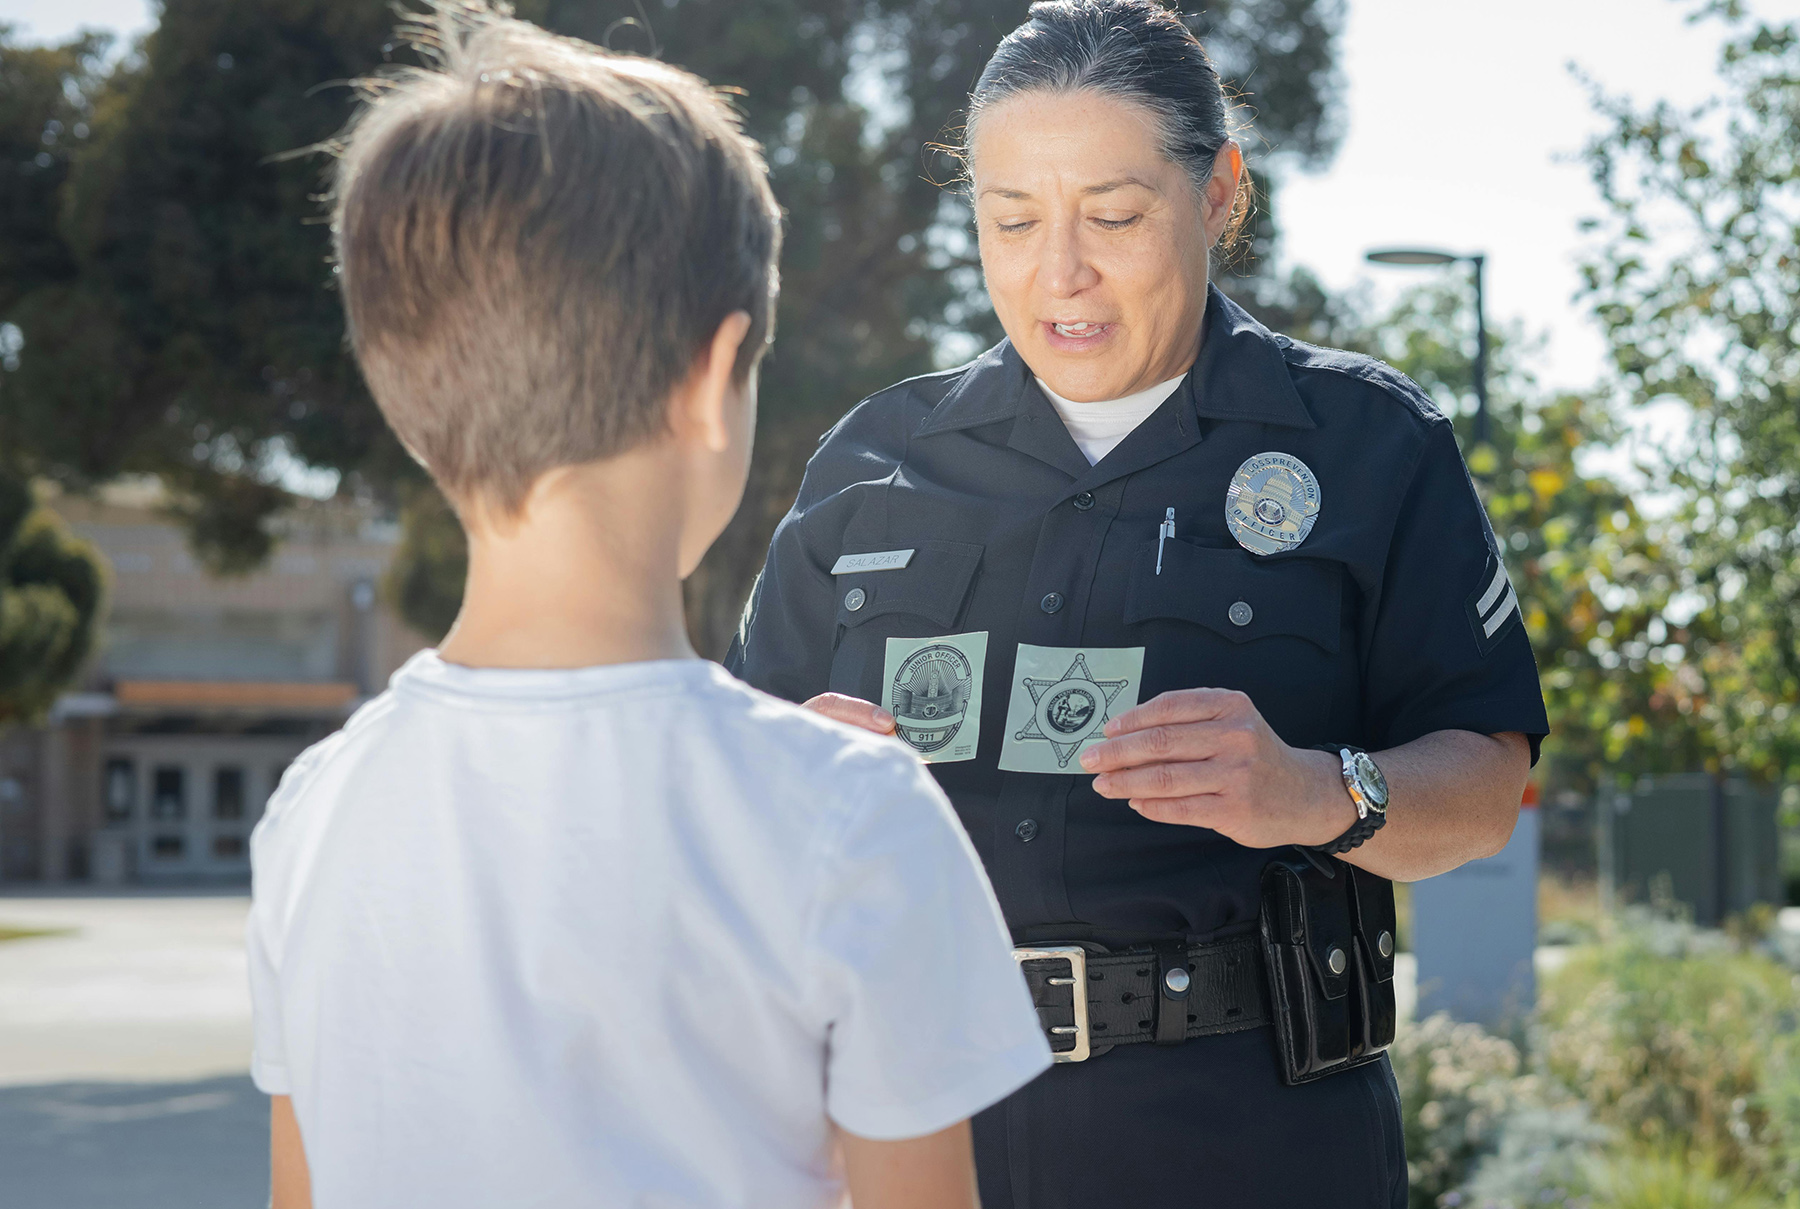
x=535 y=240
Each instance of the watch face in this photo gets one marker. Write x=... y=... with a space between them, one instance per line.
x=1374 y=785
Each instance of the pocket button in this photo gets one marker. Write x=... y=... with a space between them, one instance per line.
x=1240 y=613
x=855 y=599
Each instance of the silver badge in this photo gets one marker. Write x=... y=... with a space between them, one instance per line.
x=1272 y=503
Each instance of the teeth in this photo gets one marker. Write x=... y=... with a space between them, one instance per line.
x=1076 y=330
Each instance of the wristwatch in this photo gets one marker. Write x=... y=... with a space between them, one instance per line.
x=1367 y=788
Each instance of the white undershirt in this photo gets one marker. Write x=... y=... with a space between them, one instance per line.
x=1098 y=427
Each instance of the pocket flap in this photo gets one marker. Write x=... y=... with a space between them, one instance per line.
x=1311 y=913
x=1237 y=596
x=933 y=585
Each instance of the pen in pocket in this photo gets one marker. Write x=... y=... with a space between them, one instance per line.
x=1163 y=534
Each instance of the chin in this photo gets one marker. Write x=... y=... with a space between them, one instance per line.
x=1081 y=380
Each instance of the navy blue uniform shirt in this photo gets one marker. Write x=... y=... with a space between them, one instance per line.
x=1367 y=633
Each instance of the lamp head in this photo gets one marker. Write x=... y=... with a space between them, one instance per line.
x=1411 y=256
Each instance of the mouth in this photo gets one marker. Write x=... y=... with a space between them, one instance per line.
x=1085 y=330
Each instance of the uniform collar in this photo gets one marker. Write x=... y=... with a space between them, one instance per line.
x=1241 y=374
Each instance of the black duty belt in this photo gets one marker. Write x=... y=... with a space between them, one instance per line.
x=1090 y=1000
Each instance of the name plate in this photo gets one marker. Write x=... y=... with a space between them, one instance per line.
x=884 y=560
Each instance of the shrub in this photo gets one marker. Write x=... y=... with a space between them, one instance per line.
x=1668 y=1033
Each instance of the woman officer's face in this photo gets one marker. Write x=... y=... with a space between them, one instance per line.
x=1094 y=244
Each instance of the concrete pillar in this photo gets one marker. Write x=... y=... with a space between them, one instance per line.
x=1474 y=930
x=55 y=805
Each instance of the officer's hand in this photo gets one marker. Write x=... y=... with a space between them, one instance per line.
x=1204 y=757
x=853 y=711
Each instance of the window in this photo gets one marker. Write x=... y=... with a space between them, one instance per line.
x=168 y=847
x=228 y=792
x=120 y=790
x=168 y=792
x=228 y=847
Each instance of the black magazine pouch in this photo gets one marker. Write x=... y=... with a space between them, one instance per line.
x=1331 y=972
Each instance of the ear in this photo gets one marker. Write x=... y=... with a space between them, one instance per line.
x=700 y=411
x=1221 y=190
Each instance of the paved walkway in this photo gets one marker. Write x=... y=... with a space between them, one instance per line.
x=123 y=1046
x=139 y=987
x=191 y=1145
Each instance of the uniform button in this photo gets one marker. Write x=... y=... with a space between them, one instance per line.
x=1240 y=613
x=1027 y=830
x=1052 y=602
x=1084 y=501
x=855 y=599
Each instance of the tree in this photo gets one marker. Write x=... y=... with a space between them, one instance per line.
x=1697 y=284
x=50 y=590
x=190 y=333
x=1594 y=576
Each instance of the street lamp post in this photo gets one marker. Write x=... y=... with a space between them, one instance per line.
x=1416 y=256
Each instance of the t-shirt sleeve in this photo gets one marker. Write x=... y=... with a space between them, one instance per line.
x=929 y=1020
x=268 y=1055
x=1448 y=648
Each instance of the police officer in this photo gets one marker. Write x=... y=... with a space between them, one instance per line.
x=1119 y=579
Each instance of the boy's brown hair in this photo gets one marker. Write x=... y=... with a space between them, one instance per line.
x=535 y=239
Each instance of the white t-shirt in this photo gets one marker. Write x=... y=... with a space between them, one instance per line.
x=1098 y=427
x=619 y=936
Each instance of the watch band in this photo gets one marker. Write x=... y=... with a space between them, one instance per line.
x=1365 y=826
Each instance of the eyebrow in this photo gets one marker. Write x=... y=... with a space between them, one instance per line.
x=1091 y=191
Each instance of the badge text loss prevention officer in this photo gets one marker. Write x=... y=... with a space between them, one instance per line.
x=1061 y=699
x=932 y=686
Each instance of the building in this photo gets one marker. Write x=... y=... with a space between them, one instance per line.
x=203 y=689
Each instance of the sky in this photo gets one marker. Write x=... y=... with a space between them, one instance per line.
x=1462 y=119
x=1462 y=122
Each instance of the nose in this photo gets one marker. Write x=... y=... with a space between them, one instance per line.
x=1065 y=270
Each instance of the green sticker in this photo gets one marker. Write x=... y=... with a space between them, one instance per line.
x=932 y=686
x=1061 y=699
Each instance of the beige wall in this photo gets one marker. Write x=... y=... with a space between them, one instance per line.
x=311 y=613
x=78 y=797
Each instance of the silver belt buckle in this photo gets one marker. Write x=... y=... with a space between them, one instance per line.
x=1076 y=956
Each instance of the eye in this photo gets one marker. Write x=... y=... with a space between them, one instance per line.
x=1013 y=228
x=1116 y=224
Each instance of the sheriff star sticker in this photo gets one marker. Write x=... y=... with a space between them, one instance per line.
x=1070 y=710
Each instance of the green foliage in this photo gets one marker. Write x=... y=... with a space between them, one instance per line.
x=1697 y=282
x=1663 y=1072
x=1648 y=1180
x=1668 y=1031
x=51 y=585
x=182 y=323
x=1592 y=574
x=424 y=581
x=1457 y=1085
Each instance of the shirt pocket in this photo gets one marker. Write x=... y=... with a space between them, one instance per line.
x=920 y=600
x=1237 y=596
x=933 y=585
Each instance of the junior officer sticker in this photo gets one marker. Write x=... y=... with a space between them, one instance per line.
x=932 y=686
x=1272 y=503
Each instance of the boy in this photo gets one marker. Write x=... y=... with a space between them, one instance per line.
x=568 y=916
